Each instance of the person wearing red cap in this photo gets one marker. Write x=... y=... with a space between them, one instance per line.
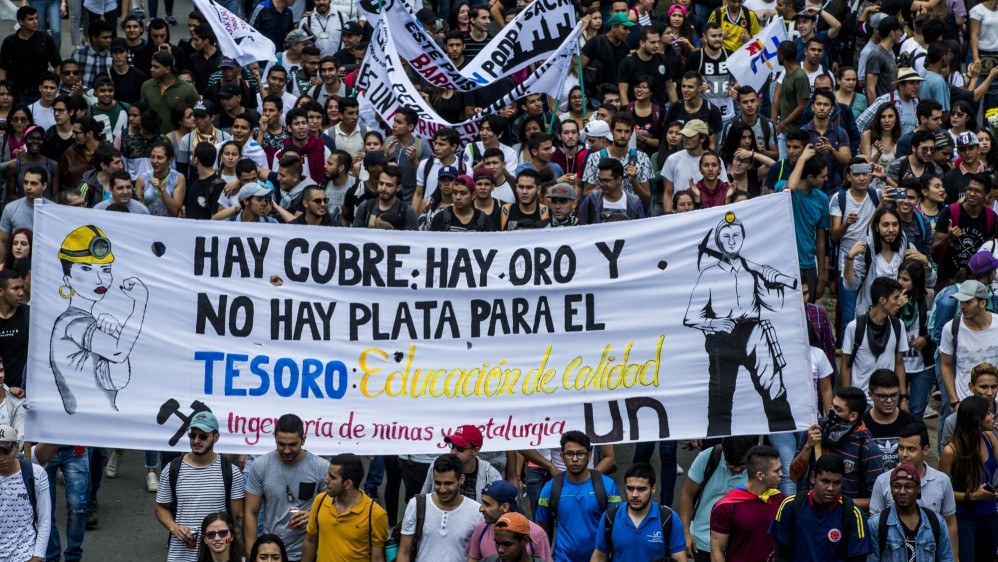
x=513 y=540
x=465 y=443
x=913 y=533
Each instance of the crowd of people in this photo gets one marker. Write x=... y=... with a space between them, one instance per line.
x=880 y=124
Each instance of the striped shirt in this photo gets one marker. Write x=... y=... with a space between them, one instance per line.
x=200 y=491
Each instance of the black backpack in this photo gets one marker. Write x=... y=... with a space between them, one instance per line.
x=861 y=322
x=595 y=476
x=713 y=461
x=28 y=475
x=611 y=513
x=173 y=471
x=882 y=529
x=395 y=534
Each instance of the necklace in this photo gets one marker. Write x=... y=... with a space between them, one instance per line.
x=294 y=478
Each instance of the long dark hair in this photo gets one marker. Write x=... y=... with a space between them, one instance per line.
x=916 y=272
x=876 y=132
x=878 y=244
x=733 y=139
x=236 y=551
x=991 y=156
x=968 y=464
x=9 y=129
x=268 y=538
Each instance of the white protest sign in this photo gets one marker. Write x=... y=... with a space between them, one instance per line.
x=384 y=86
x=754 y=61
x=536 y=31
x=237 y=39
x=385 y=342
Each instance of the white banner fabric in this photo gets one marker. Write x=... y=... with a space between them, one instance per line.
x=385 y=87
x=535 y=32
x=385 y=342
x=754 y=61
x=237 y=39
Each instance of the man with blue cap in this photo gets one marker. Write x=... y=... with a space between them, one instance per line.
x=199 y=483
x=498 y=499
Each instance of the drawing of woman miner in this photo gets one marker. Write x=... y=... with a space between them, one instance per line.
x=89 y=356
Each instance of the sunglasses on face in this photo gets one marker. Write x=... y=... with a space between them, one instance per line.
x=196 y=435
x=210 y=535
x=70 y=72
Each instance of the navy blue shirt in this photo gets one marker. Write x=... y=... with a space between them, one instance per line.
x=816 y=533
x=272 y=24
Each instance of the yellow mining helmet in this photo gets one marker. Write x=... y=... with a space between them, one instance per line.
x=86 y=244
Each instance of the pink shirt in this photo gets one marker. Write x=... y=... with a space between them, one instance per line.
x=483 y=544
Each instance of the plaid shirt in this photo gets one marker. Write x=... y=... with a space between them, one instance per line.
x=817 y=317
x=92 y=64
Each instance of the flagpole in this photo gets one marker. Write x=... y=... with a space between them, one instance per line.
x=582 y=83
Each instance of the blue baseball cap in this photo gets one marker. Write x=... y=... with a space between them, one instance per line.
x=205 y=421
x=447 y=172
x=503 y=492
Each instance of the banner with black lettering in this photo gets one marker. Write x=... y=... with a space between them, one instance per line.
x=384 y=86
x=531 y=37
x=237 y=39
x=384 y=342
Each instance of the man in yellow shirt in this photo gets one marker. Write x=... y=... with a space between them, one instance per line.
x=345 y=525
x=739 y=24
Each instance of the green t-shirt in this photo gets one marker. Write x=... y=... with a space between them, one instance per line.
x=795 y=87
x=719 y=484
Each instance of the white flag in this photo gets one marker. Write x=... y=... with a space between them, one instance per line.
x=535 y=33
x=385 y=87
x=237 y=39
x=754 y=61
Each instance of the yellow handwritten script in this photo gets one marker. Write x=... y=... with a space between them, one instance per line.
x=500 y=379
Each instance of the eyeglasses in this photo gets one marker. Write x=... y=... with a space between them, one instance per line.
x=575 y=454
x=975 y=190
x=886 y=397
x=210 y=535
x=195 y=436
x=928 y=149
x=958 y=114
x=460 y=449
x=70 y=72
x=322 y=201
x=18 y=119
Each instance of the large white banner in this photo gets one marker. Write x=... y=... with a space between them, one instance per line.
x=536 y=31
x=385 y=87
x=754 y=61
x=237 y=39
x=385 y=342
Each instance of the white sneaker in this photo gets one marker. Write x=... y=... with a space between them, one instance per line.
x=152 y=482
x=679 y=470
x=930 y=412
x=113 y=463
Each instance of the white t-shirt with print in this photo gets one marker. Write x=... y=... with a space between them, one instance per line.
x=864 y=363
x=973 y=348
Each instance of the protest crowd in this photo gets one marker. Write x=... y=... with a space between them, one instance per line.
x=881 y=123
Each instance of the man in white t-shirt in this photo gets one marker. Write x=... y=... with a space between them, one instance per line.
x=850 y=211
x=881 y=341
x=24 y=527
x=450 y=518
x=973 y=340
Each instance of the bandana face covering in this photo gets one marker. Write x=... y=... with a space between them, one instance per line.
x=836 y=429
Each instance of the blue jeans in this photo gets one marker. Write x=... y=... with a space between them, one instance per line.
x=154 y=7
x=667 y=460
x=786 y=444
x=977 y=536
x=375 y=476
x=49 y=18
x=76 y=470
x=919 y=386
x=847 y=306
x=534 y=481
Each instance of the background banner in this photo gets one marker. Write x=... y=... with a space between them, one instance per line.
x=385 y=342
x=532 y=35
x=384 y=86
x=237 y=39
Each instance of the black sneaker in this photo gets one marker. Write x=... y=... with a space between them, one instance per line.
x=91 y=521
